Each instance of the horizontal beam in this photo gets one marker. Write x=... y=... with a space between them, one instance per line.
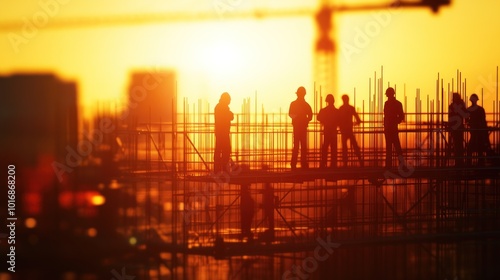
x=168 y=17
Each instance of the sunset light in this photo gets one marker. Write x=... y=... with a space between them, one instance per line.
x=250 y=139
x=221 y=58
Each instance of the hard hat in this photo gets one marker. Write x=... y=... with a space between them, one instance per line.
x=390 y=91
x=301 y=91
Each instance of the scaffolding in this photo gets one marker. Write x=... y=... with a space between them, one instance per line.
x=180 y=208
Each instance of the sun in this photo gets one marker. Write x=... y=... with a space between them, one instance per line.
x=247 y=59
x=222 y=62
x=223 y=59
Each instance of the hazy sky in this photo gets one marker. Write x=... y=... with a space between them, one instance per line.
x=270 y=56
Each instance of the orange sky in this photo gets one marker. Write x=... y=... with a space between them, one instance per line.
x=269 y=56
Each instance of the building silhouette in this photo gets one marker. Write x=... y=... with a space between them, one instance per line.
x=150 y=96
x=38 y=117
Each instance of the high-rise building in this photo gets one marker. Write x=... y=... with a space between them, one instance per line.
x=38 y=122
x=38 y=118
x=151 y=97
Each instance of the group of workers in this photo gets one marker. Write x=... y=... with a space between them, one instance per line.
x=345 y=117
x=475 y=117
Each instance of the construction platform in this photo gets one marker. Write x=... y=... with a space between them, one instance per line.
x=178 y=208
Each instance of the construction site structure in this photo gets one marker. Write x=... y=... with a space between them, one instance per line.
x=259 y=218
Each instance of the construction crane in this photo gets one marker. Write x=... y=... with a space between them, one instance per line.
x=325 y=65
x=325 y=56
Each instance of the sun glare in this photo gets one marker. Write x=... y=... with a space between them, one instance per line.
x=223 y=59
x=218 y=62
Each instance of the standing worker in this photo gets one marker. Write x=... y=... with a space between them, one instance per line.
x=457 y=112
x=223 y=118
x=346 y=115
x=328 y=117
x=479 y=139
x=301 y=113
x=247 y=212
x=393 y=115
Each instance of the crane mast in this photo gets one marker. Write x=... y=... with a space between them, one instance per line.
x=325 y=58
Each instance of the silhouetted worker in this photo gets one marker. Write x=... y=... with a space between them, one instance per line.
x=223 y=118
x=393 y=115
x=247 y=210
x=328 y=117
x=268 y=202
x=479 y=139
x=457 y=112
x=346 y=115
x=301 y=114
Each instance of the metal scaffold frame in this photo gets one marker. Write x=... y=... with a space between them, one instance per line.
x=180 y=207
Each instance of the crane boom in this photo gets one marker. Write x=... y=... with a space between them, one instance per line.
x=325 y=64
x=155 y=18
x=152 y=18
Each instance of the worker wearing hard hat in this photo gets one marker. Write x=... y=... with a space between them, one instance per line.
x=301 y=113
x=328 y=117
